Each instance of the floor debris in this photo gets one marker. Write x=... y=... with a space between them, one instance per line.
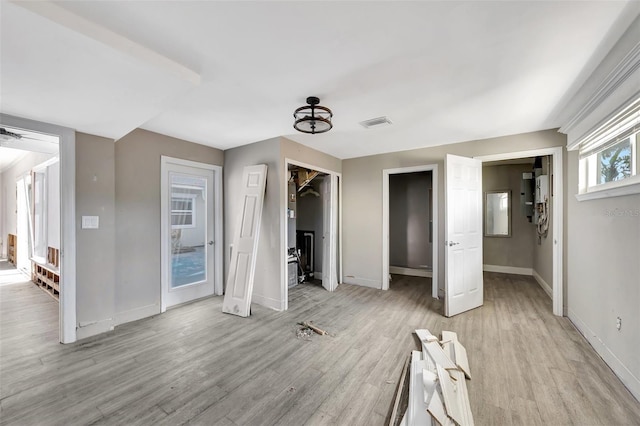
x=304 y=333
x=437 y=394
x=308 y=324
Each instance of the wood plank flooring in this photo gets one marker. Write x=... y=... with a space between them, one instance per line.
x=195 y=365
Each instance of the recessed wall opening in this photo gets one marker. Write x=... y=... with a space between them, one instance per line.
x=312 y=237
x=410 y=225
x=517 y=219
x=547 y=173
x=30 y=219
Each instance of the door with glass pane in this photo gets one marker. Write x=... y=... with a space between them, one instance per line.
x=188 y=234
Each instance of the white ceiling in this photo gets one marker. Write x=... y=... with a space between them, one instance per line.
x=226 y=74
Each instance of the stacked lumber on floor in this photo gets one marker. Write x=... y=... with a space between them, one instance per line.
x=437 y=382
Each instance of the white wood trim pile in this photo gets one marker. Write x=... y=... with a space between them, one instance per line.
x=438 y=393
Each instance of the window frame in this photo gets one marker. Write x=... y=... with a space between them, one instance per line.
x=191 y=211
x=625 y=124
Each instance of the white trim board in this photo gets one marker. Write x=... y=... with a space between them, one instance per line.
x=265 y=301
x=624 y=374
x=365 y=282
x=433 y=168
x=67 y=154
x=530 y=272
x=411 y=272
x=557 y=211
x=136 y=314
x=545 y=286
x=508 y=269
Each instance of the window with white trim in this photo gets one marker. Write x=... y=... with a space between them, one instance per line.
x=183 y=212
x=609 y=155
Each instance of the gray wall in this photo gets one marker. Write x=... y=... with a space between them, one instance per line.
x=517 y=250
x=603 y=271
x=137 y=187
x=267 y=284
x=95 y=248
x=269 y=288
x=310 y=218
x=604 y=275
x=362 y=192
x=409 y=213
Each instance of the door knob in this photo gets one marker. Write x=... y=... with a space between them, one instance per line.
x=451 y=243
x=210 y=243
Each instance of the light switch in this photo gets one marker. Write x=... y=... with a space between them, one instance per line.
x=90 y=222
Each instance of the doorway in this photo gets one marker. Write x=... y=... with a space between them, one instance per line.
x=191 y=231
x=426 y=182
x=312 y=229
x=35 y=194
x=555 y=236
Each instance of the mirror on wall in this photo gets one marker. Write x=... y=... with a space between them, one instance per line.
x=497 y=213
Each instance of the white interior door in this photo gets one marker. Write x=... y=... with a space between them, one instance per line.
x=188 y=233
x=237 y=297
x=463 y=253
x=329 y=232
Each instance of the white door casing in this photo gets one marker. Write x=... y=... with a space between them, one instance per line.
x=237 y=298
x=463 y=224
x=210 y=221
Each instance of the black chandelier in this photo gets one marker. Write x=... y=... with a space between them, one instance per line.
x=312 y=118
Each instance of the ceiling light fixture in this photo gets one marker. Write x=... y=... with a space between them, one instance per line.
x=312 y=118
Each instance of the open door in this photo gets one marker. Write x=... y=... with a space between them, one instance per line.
x=237 y=297
x=463 y=216
x=329 y=232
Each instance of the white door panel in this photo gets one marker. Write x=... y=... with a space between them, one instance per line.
x=329 y=232
x=463 y=253
x=237 y=299
x=188 y=232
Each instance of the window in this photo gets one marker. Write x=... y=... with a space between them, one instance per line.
x=615 y=163
x=609 y=156
x=183 y=214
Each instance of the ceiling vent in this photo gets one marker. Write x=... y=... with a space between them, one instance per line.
x=376 y=122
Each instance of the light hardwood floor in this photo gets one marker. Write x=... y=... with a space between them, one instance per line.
x=196 y=365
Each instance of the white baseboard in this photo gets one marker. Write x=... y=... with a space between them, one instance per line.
x=508 y=270
x=267 y=302
x=88 y=329
x=365 y=282
x=546 y=287
x=624 y=374
x=412 y=272
x=136 y=314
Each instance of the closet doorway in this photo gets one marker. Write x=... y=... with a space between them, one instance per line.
x=410 y=212
x=312 y=227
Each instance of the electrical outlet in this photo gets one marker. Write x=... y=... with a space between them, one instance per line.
x=618 y=323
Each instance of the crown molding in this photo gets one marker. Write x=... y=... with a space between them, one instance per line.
x=621 y=73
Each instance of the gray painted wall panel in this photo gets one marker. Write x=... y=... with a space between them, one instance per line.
x=409 y=213
x=310 y=218
x=362 y=243
x=138 y=260
x=518 y=249
x=95 y=254
x=267 y=285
